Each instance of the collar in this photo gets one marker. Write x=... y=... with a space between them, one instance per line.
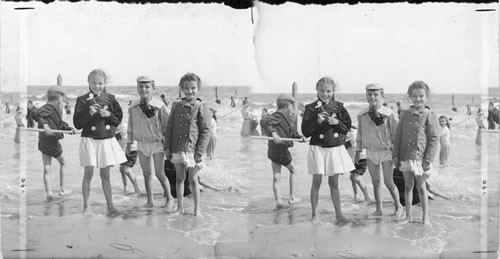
x=191 y=102
x=382 y=110
x=413 y=111
x=154 y=102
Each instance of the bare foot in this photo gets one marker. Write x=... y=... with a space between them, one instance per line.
x=64 y=192
x=427 y=222
x=197 y=213
x=342 y=218
x=148 y=205
x=50 y=197
x=281 y=206
x=369 y=201
x=88 y=212
x=398 y=212
x=377 y=213
x=294 y=200
x=407 y=220
x=315 y=220
x=113 y=210
x=170 y=204
x=178 y=212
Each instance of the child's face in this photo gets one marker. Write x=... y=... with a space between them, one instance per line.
x=190 y=89
x=374 y=98
x=145 y=90
x=97 y=84
x=325 y=92
x=418 y=97
x=442 y=122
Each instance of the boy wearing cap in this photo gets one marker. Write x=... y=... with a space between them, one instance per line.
x=147 y=125
x=49 y=117
x=281 y=124
x=376 y=131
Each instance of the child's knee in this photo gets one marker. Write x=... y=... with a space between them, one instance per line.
x=333 y=184
x=408 y=186
x=389 y=183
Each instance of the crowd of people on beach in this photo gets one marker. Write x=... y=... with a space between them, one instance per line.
x=386 y=142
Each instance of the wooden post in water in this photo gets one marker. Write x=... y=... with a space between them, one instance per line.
x=295 y=105
x=453 y=108
x=217 y=96
x=59 y=80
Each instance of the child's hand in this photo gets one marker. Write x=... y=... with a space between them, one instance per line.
x=322 y=116
x=93 y=109
x=276 y=138
x=356 y=157
x=128 y=148
x=104 y=113
x=48 y=130
x=168 y=155
x=197 y=158
x=73 y=132
x=395 y=160
x=332 y=120
x=199 y=165
x=302 y=139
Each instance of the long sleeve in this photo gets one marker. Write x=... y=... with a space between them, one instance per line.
x=397 y=138
x=41 y=114
x=169 y=127
x=344 y=122
x=203 y=130
x=81 y=116
x=271 y=121
x=116 y=113
x=309 y=123
x=432 y=133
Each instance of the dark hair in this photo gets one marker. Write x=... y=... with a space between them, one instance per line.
x=446 y=119
x=419 y=85
x=190 y=77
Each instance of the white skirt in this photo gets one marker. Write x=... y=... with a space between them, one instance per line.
x=328 y=160
x=101 y=153
x=186 y=158
x=414 y=167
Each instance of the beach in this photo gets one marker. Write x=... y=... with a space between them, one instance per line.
x=242 y=221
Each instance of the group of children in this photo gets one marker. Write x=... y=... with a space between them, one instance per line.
x=384 y=142
x=152 y=134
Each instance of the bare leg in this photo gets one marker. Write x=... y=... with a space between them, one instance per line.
x=333 y=182
x=159 y=163
x=124 y=177
x=145 y=162
x=389 y=183
x=292 y=199
x=195 y=187
x=316 y=183
x=376 y=178
x=87 y=178
x=408 y=176
x=106 y=187
x=47 y=168
x=276 y=184
x=422 y=192
x=180 y=171
x=62 y=169
x=363 y=187
x=352 y=177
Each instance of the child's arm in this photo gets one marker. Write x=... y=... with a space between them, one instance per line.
x=40 y=116
x=359 y=140
x=270 y=122
x=81 y=116
x=168 y=130
x=203 y=132
x=393 y=122
x=344 y=121
x=130 y=131
x=397 y=141
x=116 y=113
x=163 y=113
x=432 y=133
x=310 y=122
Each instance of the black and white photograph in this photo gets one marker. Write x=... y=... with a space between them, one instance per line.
x=201 y=130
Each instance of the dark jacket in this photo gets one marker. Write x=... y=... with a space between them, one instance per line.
x=281 y=123
x=188 y=127
x=95 y=126
x=324 y=134
x=50 y=114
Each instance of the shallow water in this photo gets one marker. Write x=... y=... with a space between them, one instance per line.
x=243 y=170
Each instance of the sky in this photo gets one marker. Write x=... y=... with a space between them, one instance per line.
x=450 y=46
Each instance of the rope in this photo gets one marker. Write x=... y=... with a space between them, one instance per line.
x=458 y=123
x=234 y=110
x=6 y=116
x=124 y=247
